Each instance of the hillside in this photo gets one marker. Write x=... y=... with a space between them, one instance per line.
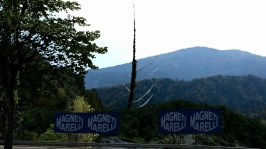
x=186 y=64
x=243 y=94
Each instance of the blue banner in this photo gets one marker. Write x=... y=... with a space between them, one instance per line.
x=201 y=121
x=96 y=122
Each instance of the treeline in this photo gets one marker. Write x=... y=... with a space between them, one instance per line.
x=236 y=129
x=243 y=94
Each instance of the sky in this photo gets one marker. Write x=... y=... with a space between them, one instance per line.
x=164 y=26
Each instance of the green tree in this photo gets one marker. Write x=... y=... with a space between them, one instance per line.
x=91 y=97
x=49 y=135
x=39 y=87
x=33 y=28
x=79 y=104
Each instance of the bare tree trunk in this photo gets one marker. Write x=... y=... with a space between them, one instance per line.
x=133 y=73
x=9 y=82
x=10 y=121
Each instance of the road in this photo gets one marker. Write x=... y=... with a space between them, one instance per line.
x=57 y=147
x=40 y=147
x=27 y=147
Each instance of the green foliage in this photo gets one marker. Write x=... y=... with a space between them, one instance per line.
x=49 y=135
x=237 y=130
x=91 y=97
x=243 y=94
x=77 y=105
x=251 y=132
x=53 y=88
x=37 y=120
x=39 y=29
x=80 y=105
x=32 y=32
x=27 y=135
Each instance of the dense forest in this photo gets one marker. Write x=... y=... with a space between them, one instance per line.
x=236 y=129
x=243 y=94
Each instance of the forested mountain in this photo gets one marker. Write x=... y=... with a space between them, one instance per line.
x=187 y=64
x=243 y=94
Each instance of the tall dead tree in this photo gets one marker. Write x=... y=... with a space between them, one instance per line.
x=134 y=72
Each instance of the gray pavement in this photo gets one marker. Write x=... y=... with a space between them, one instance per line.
x=56 y=147
x=27 y=147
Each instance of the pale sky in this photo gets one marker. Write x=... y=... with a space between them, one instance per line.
x=168 y=25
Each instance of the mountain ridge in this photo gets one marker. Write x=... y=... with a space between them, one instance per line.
x=243 y=94
x=187 y=64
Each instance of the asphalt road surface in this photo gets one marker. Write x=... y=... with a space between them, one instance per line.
x=57 y=147
x=27 y=147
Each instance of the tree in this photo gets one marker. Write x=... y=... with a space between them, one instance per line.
x=134 y=71
x=31 y=28
x=39 y=87
x=91 y=97
x=80 y=105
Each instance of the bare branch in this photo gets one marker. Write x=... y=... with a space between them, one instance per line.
x=150 y=74
x=154 y=71
x=148 y=64
x=144 y=94
x=146 y=102
x=126 y=87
